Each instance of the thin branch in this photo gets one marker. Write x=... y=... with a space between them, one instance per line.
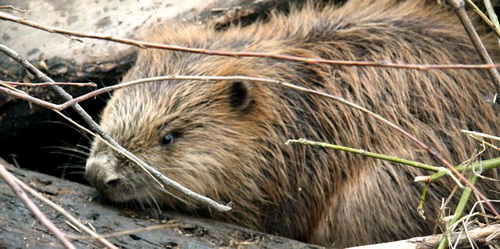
x=125 y=232
x=90 y=84
x=478 y=235
x=24 y=96
x=367 y=154
x=459 y=7
x=479 y=204
x=211 y=78
x=10 y=7
x=493 y=16
x=95 y=127
x=480 y=140
x=105 y=142
x=142 y=44
x=483 y=165
x=484 y=17
x=10 y=180
x=70 y=217
x=174 y=77
x=479 y=166
x=479 y=134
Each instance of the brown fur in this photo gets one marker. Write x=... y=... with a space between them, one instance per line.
x=230 y=135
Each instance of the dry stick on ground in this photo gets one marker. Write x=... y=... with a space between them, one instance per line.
x=70 y=217
x=10 y=180
x=459 y=6
x=142 y=44
x=481 y=235
x=95 y=127
x=93 y=235
x=171 y=224
x=489 y=236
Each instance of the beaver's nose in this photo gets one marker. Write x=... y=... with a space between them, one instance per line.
x=100 y=172
x=112 y=182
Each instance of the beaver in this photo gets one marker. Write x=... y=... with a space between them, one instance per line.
x=226 y=139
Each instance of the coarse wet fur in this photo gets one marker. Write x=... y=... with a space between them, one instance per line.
x=226 y=139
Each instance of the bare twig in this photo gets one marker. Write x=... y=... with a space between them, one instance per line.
x=104 y=141
x=483 y=165
x=484 y=17
x=479 y=134
x=142 y=44
x=10 y=7
x=478 y=235
x=95 y=127
x=70 y=217
x=90 y=84
x=22 y=95
x=493 y=16
x=484 y=142
x=126 y=232
x=458 y=5
x=10 y=180
x=367 y=154
x=92 y=94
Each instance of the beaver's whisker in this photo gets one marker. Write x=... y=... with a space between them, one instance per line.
x=153 y=202
x=77 y=173
x=67 y=151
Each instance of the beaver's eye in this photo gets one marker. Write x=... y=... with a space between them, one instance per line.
x=168 y=139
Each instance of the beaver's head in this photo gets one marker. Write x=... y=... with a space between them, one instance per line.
x=208 y=136
x=193 y=132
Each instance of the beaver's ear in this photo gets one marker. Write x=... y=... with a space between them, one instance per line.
x=240 y=95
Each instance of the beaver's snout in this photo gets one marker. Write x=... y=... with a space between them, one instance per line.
x=114 y=179
x=100 y=172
